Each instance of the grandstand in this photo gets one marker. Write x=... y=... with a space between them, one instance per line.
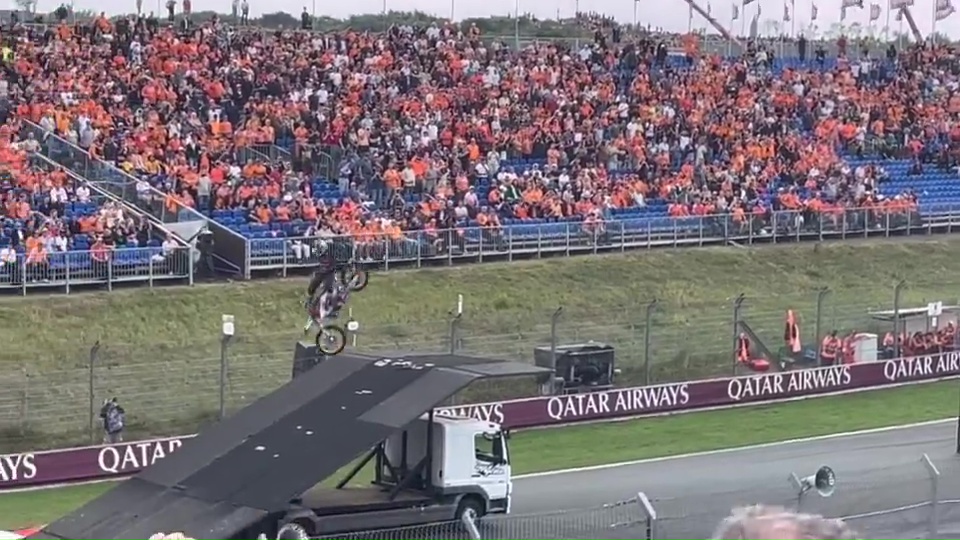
x=606 y=165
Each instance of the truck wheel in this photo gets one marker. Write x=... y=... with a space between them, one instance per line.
x=292 y=531
x=471 y=506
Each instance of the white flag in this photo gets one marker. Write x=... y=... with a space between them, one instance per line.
x=813 y=12
x=945 y=11
x=786 y=13
x=748 y=2
x=874 y=12
x=736 y=12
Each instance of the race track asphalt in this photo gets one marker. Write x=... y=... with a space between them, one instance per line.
x=875 y=472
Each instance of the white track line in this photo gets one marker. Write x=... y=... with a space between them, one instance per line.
x=735 y=449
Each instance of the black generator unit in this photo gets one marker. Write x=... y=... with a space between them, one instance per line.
x=582 y=367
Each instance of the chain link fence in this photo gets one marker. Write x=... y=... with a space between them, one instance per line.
x=52 y=397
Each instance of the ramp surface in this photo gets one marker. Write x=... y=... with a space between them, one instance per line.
x=252 y=464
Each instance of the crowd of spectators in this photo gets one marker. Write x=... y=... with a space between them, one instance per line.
x=438 y=128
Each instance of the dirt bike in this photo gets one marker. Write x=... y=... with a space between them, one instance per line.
x=331 y=337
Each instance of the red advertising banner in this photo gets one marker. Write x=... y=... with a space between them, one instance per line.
x=100 y=462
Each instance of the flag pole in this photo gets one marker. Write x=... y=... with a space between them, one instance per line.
x=743 y=22
x=887 y=26
x=730 y=41
x=933 y=25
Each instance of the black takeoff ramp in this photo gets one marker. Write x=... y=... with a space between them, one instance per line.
x=251 y=465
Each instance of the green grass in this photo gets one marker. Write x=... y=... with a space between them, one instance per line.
x=160 y=349
x=576 y=446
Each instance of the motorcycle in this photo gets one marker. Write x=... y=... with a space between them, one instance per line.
x=331 y=337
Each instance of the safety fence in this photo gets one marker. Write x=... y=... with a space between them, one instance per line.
x=909 y=498
x=917 y=499
x=108 y=268
x=51 y=397
x=271 y=249
x=627 y=519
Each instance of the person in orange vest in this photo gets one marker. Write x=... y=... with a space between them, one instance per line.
x=791 y=333
x=743 y=349
x=846 y=347
x=829 y=349
x=888 y=347
x=950 y=336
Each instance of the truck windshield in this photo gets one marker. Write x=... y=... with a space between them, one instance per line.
x=489 y=447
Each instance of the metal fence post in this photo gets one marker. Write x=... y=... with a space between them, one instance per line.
x=554 y=321
x=737 y=305
x=650 y=516
x=224 y=345
x=648 y=324
x=470 y=526
x=934 y=495
x=818 y=323
x=454 y=332
x=94 y=354
x=896 y=316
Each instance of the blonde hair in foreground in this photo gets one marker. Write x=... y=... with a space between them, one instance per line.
x=775 y=523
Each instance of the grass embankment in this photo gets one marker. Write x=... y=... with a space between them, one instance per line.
x=576 y=446
x=160 y=349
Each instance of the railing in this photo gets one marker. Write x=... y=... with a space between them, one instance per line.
x=81 y=268
x=535 y=239
x=628 y=518
x=907 y=500
x=228 y=245
x=914 y=498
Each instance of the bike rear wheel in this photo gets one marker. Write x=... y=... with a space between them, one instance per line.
x=331 y=339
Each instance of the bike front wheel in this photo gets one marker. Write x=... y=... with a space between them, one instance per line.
x=331 y=340
x=357 y=279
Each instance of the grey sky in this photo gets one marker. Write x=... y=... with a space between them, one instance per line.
x=669 y=14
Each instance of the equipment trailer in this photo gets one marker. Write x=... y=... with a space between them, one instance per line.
x=258 y=472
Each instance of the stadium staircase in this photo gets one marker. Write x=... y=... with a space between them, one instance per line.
x=98 y=197
x=230 y=249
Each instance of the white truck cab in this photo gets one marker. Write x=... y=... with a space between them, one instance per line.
x=470 y=457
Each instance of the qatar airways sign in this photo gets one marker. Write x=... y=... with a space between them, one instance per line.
x=77 y=464
x=88 y=463
x=647 y=400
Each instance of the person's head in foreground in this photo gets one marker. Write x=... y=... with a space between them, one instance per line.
x=775 y=523
x=171 y=536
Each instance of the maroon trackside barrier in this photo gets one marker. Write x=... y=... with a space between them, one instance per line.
x=102 y=462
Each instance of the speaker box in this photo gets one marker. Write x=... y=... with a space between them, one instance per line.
x=305 y=357
x=582 y=367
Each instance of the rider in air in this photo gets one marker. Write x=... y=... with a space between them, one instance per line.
x=323 y=276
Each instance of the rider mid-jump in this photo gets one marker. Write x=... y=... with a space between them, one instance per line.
x=324 y=279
